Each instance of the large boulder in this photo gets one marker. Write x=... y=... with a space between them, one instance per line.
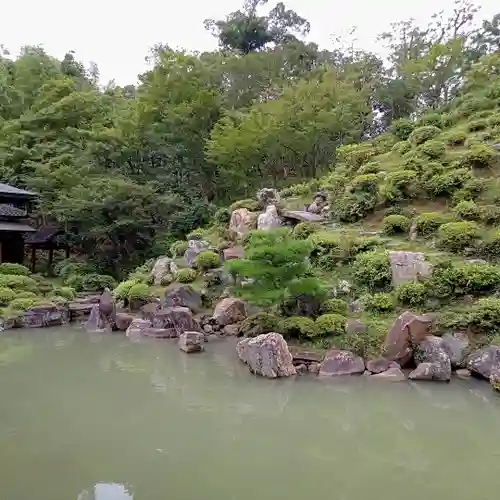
x=242 y=222
x=379 y=365
x=267 y=355
x=339 y=362
x=433 y=362
x=163 y=266
x=195 y=247
x=408 y=266
x=320 y=201
x=406 y=332
x=484 y=361
x=137 y=327
x=175 y=321
x=191 y=342
x=268 y=196
x=183 y=296
x=455 y=345
x=149 y=310
x=230 y=311
x=123 y=321
x=269 y=219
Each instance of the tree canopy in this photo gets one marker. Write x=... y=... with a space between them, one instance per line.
x=125 y=166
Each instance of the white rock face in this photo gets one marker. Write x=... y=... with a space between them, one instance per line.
x=269 y=219
x=163 y=266
x=267 y=355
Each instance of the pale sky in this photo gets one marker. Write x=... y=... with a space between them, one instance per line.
x=117 y=35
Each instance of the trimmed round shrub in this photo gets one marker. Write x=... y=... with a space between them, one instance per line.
x=477 y=125
x=139 y=291
x=96 y=282
x=207 y=260
x=6 y=295
x=302 y=189
x=17 y=282
x=122 y=291
x=479 y=156
x=396 y=224
x=12 y=268
x=455 y=137
x=329 y=324
x=178 y=248
x=456 y=236
x=222 y=216
x=401 y=147
x=65 y=291
x=423 y=134
x=371 y=167
x=466 y=210
x=411 y=294
x=297 y=327
x=372 y=270
x=490 y=214
x=429 y=222
x=23 y=304
x=490 y=246
x=353 y=207
x=166 y=280
x=434 y=119
x=185 y=275
x=337 y=306
x=379 y=302
x=66 y=268
x=196 y=234
x=367 y=183
x=257 y=324
x=446 y=183
x=433 y=149
x=400 y=185
x=304 y=229
x=402 y=128
x=75 y=281
x=249 y=204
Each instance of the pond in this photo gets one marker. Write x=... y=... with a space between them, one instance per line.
x=96 y=417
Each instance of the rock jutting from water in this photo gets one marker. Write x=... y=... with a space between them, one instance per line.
x=191 y=342
x=267 y=355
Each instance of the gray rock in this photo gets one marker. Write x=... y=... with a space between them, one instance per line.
x=353 y=326
x=339 y=362
x=455 y=345
x=175 y=321
x=269 y=219
x=268 y=196
x=242 y=222
x=44 y=315
x=406 y=332
x=267 y=355
x=123 y=321
x=393 y=374
x=149 y=310
x=137 y=327
x=191 y=342
x=433 y=361
x=463 y=373
x=408 y=267
x=183 y=296
x=483 y=361
x=379 y=365
x=295 y=216
x=301 y=369
x=230 y=311
x=231 y=330
x=163 y=266
x=195 y=247
x=313 y=368
x=208 y=329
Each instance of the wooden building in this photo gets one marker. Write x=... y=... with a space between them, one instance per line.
x=15 y=206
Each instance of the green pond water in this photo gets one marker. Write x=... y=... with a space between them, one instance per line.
x=96 y=417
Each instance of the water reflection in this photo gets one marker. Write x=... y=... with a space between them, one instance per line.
x=106 y=491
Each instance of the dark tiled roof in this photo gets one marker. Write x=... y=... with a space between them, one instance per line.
x=44 y=234
x=6 y=189
x=15 y=226
x=11 y=211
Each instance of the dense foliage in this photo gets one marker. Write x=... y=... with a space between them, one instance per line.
x=125 y=167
